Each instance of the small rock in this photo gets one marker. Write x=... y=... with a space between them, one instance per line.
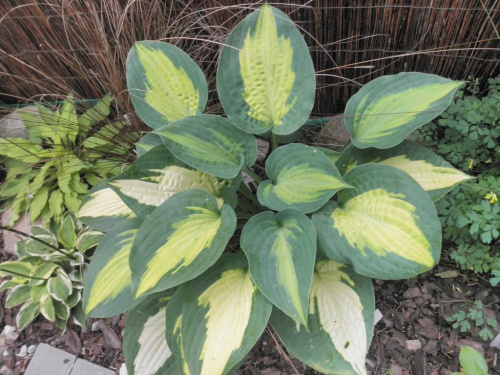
x=378 y=317
x=72 y=342
x=431 y=347
x=8 y=329
x=110 y=337
x=262 y=149
x=412 y=293
x=123 y=370
x=481 y=294
x=5 y=371
x=23 y=352
x=11 y=338
x=96 y=326
x=413 y=345
x=32 y=349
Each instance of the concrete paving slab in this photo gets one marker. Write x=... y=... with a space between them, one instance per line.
x=50 y=361
x=83 y=367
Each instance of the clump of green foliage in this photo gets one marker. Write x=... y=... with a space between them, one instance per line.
x=475 y=316
x=467 y=135
x=316 y=225
x=48 y=277
x=50 y=172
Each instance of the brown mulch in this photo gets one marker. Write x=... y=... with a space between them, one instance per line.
x=413 y=336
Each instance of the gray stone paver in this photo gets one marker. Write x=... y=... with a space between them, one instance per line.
x=82 y=367
x=48 y=360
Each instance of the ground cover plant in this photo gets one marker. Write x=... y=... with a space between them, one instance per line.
x=50 y=172
x=466 y=135
x=202 y=263
x=48 y=277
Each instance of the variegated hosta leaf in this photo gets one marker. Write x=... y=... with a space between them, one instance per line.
x=174 y=327
x=179 y=240
x=387 y=227
x=301 y=177
x=431 y=171
x=164 y=83
x=103 y=209
x=266 y=78
x=223 y=315
x=211 y=144
x=389 y=108
x=281 y=249
x=145 y=345
x=108 y=280
x=155 y=177
x=332 y=155
x=340 y=322
x=146 y=143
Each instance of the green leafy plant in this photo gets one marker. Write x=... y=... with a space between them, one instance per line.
x=475 y=316
x=472 y=362
x=199 y=292
x=467 y=136
x=52 y=171
x=48 y=277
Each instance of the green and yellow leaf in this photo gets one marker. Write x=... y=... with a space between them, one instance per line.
x=145 y=345
x=387 y=227
x=165 y=84
x=265 y=77
x=27 y=314
x=281 y=249
x=103 y=209
x=305 y=181
x=108 y=279
x=387 y=109
x=211 y=144
x=223 y=315
x=192 y=235
x=432 y=172
x=340 y=322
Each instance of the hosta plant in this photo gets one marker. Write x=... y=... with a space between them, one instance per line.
x=203 y=262
x=48 y=277
x=50 y=173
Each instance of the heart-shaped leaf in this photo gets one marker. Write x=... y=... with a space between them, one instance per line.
x=164 y=83
x=266 y=78
x=302 y=177
x=281 y=249
x=387 y=109
x=179 y=240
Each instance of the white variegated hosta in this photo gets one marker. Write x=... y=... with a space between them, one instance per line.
x=174 y=212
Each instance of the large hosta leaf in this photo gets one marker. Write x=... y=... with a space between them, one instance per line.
x=431 y=171
x=155 y=177
x=211 y=144
x=103 y=209
x=179 y=240
x=340 y=322
x=387 y=227
x=146 y=143
x=265 y=77
x=389 y=108
x=223 y=315
x=302 y=177
x=108 y=279
x=281 y=249
x=164 y=83
x=145 y=345
x=174 y=328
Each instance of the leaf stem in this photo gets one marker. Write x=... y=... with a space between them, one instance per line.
x=274 y=140
x=245 y=191
x=249 y=206
x=251 y=173
x=242 y=215
x=36 y=239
